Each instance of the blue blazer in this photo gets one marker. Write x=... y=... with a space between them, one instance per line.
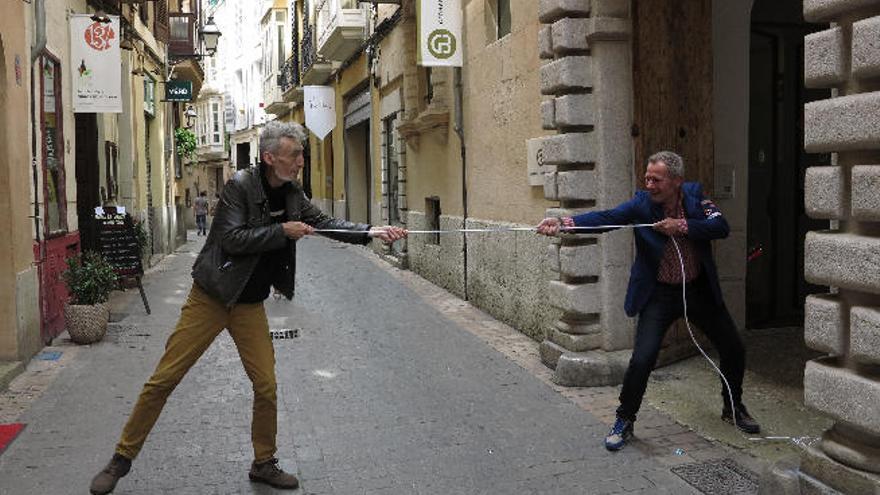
x=705 y=223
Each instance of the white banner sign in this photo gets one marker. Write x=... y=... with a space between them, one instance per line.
x=95 y=62
x=320 y=107
x=440 y=42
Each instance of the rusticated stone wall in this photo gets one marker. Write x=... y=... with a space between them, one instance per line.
x=587 y=83
x=845 y=323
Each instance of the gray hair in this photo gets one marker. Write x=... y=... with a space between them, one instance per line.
x=673 y=161
x=271 y=136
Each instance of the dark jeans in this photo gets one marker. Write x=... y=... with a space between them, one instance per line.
x=201 y=223
x=664 y=307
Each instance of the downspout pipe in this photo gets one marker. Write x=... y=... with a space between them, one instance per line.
x=36 y=51
x=459 y=130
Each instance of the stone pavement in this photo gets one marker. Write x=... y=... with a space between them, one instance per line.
x=391 y=386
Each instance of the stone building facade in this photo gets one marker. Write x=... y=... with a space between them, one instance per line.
x=844 y=323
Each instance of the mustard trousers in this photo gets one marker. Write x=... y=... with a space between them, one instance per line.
x=202 y=318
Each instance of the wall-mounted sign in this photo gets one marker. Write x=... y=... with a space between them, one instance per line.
x=178 y=90
x=149 y=95
x=95 y=64
x=440 y=23
x=320 y=107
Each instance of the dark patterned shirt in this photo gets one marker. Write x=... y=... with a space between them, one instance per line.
x=670 y=264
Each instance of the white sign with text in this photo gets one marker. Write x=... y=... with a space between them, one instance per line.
x=95 y=64
x=320 y=106
x=440 y=28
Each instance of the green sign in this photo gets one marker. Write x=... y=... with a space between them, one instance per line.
x=178 y=91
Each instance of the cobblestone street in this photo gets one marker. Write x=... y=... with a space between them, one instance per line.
x=389 y=386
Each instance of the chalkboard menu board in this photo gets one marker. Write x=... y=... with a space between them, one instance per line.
x=118 y=244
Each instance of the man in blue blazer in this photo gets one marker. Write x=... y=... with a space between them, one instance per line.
x=675 y=250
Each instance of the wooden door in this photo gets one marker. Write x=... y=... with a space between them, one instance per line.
x=672 y=81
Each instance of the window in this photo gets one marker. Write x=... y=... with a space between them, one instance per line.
x=54 y=196
x=112 y=170
x=428 y=85
x=144 y=14
x=280 y=33
x=432 y=218
x=215 y=122
x=502 y=19
x=180 y=26
x=392 y=171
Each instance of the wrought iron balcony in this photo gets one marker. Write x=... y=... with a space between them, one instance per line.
x=315 y=70
x=289 y=82
x=288 y=75
x=307 y=47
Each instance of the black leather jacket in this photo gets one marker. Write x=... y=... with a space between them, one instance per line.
x=242 y=229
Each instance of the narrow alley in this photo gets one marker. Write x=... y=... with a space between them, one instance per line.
x=388 y=385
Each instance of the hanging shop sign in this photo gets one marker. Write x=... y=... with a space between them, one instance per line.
x=440 y=27
x=178 y=91
x=95 y=64
x=320 y=107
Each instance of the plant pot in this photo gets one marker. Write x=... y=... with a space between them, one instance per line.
x=86 y=323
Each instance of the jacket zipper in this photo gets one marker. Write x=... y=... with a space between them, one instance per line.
x=263 y=213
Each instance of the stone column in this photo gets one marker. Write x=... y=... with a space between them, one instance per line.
x=588 y=79
x=845 y=323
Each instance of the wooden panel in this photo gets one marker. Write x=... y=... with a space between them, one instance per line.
x=672 y=74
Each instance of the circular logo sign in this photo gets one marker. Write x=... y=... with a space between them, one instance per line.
x=98 y=36
x=441 y=43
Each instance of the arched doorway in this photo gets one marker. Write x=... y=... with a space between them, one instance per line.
x=775 y=286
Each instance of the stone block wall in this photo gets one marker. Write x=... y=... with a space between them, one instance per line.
x=845 y=324
x=506 y=272
x=587 y=83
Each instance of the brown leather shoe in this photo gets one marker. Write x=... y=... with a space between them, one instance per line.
x=105 y=481
x=272 y=475
x=744 y=421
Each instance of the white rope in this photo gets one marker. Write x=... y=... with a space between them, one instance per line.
x=798 y=441
x=574 y=230
x=804 y=441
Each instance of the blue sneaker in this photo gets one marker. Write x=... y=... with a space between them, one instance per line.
x=620 y=433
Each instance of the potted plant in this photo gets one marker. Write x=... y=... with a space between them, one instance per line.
x=90 y=279
x=185 y=141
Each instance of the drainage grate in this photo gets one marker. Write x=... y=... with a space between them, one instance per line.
x=723 y=477
x=284 y=333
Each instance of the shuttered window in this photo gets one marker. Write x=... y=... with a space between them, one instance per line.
x=161 y=20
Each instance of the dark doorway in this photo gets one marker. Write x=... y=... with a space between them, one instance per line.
x=357 y=172
x=242 y=156
x=777 y=224
x=87 y=177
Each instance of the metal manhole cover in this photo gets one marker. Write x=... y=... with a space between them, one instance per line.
x=724 y=477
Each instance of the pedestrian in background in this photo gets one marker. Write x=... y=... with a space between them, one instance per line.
x=262 y=212
x=200 y=207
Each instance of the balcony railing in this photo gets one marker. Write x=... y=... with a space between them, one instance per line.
x=182 y=33
x=307 y=47
x=340 y=28
x=288 y=76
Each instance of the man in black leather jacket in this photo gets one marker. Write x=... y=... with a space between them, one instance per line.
x=250 y=249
